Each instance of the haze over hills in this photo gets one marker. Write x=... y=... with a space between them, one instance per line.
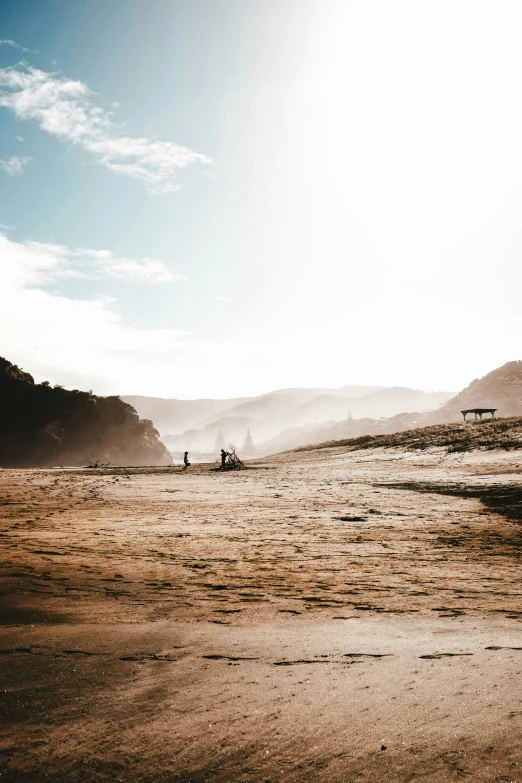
x=500 y=389
x=44 y=425
x=173 y=415
x=196 y=424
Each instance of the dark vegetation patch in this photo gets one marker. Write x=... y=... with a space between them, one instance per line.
x=43 y=425
x=367 y=655
x=435 y=656
x=300 y=660
x=228 y=658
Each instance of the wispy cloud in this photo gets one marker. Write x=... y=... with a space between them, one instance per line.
x=65 y=108
x=105 y=264
x=14 y=45
x=3 y=227
x=41 y=262
x=14 y=166
x=75 y=341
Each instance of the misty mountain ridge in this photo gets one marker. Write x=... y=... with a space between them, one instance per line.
x=44 y=425
x=501 y=389
x=197 y=424
x=172 y=416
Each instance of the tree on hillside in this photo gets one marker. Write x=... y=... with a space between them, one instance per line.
x=44 y=425
x=248 y=446
x=220 y=440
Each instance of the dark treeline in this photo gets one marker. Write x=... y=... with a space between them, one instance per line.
x=42 y=425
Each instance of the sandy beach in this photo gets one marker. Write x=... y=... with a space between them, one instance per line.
x=322 y=616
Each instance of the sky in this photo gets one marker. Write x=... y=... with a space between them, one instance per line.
x=217 y=198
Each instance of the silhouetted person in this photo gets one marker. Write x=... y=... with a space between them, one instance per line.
x=186 y=463
x=224 y=455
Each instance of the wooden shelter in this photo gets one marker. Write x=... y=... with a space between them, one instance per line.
x=479 y=411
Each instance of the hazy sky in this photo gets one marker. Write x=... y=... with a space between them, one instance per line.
x=223 y=197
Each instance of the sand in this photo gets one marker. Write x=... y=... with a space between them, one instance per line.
x=313 y=618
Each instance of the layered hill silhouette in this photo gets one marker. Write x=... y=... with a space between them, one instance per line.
x=42 y=425
x=172 y=416
x=500 y=389
x=197 y=424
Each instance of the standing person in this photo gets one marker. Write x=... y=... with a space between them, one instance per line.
x=186 y=463
x=224 y=455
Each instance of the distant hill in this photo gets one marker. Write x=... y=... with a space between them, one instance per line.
x=284 y=403
x=194 y=424
x=323 y=407
x=397 y=399
x=338 y=431
x=172 y=416
x=500 y=388
x=176 y=416
x=204 y=439
x=42 y=425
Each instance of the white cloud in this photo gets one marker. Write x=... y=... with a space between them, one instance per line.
x=86 y=344
x=65 y=108
x=14 y=166
x=4 y=227
x=68 y=340
x=14 y=45
x=221 y=299
x=40 y=262
x=20 y=138
x=130 y=269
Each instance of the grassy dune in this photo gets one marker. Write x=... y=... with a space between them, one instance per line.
x=463 y=436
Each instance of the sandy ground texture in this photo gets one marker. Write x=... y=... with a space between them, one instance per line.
x=321 y=616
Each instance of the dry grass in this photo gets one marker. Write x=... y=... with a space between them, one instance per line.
x=464 y=436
